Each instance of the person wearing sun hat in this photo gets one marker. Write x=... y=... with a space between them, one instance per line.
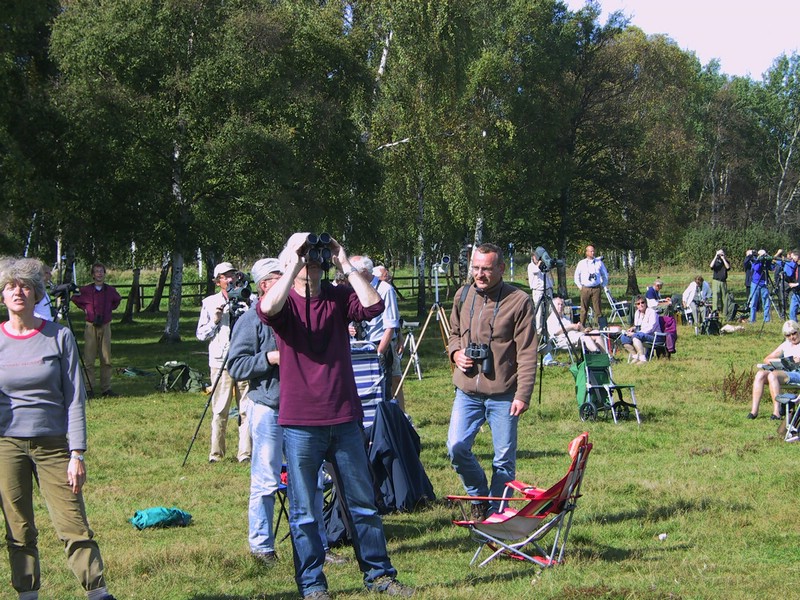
x=214 y=327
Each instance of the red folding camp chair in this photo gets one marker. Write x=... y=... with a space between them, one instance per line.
x=519 y=532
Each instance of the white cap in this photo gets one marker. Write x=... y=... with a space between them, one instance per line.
x=221 y=268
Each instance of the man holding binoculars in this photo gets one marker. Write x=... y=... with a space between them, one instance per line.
x=494 y=347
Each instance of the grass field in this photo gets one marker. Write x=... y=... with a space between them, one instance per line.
x=721 y=487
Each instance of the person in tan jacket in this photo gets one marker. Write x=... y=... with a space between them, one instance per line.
x=493 y=345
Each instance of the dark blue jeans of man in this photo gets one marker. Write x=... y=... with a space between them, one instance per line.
x=306 y=448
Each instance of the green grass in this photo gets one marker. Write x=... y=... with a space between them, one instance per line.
x=720 y=486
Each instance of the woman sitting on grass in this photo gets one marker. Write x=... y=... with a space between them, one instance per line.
x=776 y=378
x=645 y=326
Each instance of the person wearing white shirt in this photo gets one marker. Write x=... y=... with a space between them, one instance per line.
x=562 y=330
x=645 y=326
x=541 y=284
x=696 y=294
x=591 y=277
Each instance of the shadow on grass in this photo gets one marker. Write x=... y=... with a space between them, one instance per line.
x=660 y=513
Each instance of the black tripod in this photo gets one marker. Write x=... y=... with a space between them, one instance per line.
x=62 y=293
x=234 y=313
x=210 y=398
x=541 y=308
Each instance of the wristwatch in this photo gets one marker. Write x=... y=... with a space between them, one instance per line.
x=77 y=457
x=351 y=271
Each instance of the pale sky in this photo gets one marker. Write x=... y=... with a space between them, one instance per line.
x=745 y=35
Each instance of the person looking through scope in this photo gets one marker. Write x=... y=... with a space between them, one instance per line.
x=541 y=283
x=214 y=326
x=320 y=410
x=759 y=292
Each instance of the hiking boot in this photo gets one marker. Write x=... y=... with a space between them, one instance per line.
x=479 y=511
x=267 y=559
x=110 y=394
x=391 y=587
x=318 y=595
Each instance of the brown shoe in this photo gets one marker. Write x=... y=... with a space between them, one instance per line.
x=479 y=511
x=391 y=587
x=267 y=559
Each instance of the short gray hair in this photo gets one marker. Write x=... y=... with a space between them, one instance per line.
x=363 y=263
x=26 y=271
x=790 y=327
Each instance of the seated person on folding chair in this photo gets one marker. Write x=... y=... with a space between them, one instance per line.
x=645 y=326
x=653 y=296
x=790 y=348
x=557 y=324
x=696 y=294
x=254 y=357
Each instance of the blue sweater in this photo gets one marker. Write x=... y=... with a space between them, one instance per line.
x=247 y=359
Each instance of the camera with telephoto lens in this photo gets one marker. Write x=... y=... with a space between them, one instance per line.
x=318 y=249
x=765 y=260
x=482 y=353
x=239 y=293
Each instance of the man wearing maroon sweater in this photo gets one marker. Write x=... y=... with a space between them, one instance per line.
x=321 y=412
x=98 y=300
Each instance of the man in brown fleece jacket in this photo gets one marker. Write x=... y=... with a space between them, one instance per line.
x=494 y=347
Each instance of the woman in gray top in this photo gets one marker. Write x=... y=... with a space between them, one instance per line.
x=42 y=435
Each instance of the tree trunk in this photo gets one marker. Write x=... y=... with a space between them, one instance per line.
x=155 y=303
x=563 y=232
x=171 y=334
x=630 y=267
x=421 y=295
x=133 y=299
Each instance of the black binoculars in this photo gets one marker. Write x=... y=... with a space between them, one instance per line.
x=317 y=249
x=482 y=353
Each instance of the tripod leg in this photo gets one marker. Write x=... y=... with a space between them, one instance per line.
x=208 y=403
x=419 y=341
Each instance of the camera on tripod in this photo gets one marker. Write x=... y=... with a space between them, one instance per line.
x=318 y=249
x=546 y=262
x=63 y=290
x=239 y=293
x=765 y=260
x=482 y=353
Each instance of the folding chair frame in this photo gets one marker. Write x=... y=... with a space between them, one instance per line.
x=509 y=531
x=620 y=309
x=659 y=342
x=604 y=392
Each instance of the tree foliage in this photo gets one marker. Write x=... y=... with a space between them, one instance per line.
x=408 y=129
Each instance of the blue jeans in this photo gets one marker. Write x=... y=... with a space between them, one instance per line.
x=306 y=448
x=265 y=476
x=469 y=414
x=759 y=292
x=794 y=305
